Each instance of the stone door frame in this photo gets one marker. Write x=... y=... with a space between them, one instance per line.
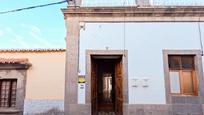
x=124 y=54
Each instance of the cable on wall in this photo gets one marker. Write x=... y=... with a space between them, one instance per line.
x=75 y=3
x=67 y=1
x=124 y=31
x=32 y=7
x=200 y=36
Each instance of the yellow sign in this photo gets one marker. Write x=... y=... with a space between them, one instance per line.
x=81 y=79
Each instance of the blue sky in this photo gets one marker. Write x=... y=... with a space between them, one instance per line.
x=37 y=28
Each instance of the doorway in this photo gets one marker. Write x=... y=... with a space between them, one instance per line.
x=106 y=84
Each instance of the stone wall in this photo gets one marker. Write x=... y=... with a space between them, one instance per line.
x=165 y=109
x=37 y=107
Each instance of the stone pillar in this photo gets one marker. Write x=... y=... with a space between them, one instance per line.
x=142 y=3
x=74 y=3
x=71 y=106
x=72 y=57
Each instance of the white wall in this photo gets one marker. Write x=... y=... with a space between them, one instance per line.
x=144 y=42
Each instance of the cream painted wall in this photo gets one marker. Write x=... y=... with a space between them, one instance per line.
x=45 y=78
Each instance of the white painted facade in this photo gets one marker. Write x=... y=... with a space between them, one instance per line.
x=144 y=42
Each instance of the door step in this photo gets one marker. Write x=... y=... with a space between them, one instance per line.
x=106 y=113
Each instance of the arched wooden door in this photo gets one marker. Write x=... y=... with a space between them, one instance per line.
x=118 y=88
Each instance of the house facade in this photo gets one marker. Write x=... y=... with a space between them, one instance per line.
x=136 y=60
x=32 y=81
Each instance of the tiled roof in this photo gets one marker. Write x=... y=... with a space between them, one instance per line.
x=33 y=50
x=14 y=60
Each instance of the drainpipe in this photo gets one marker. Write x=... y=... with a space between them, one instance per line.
x=142 y=3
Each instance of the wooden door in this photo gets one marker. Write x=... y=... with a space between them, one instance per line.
x=118 y=88
x=94 y=68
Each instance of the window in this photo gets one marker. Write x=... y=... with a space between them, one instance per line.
x=183 y=79
x=8 y=92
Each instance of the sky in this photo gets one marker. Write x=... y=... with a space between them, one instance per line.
x=36 y=28
x=41 y=27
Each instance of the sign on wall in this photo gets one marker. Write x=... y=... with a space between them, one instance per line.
x=81 y=89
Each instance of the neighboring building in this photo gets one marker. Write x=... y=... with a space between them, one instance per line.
x=130 y=71
x=37 y=77
x=13 y=73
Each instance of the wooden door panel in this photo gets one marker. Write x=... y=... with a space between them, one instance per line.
x=118 y=88
x=94 y=87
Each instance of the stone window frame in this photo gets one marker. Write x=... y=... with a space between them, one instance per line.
x=198 y=70
x=21 y=86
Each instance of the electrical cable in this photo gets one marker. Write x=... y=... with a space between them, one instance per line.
x=200 y=37
x=32 y=7
x=75 y=4
x=124 y=32
x=67 y=1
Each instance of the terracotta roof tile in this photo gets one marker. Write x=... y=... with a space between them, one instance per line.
x=33 y=50
x=14 y=60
